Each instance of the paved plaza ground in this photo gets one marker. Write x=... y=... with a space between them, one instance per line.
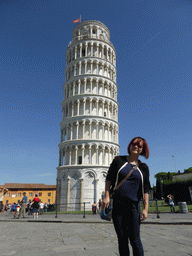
x=73 y=235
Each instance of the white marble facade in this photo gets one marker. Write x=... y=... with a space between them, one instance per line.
x=89 y=126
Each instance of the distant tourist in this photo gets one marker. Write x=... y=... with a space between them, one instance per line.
x=45 y=207
x=35 y=206
x=18 y=208
x=99 y=204
x=3 y=191
x=171 y=203
x=94 y=206
x=23 y=205
x=5 y=209
x=41 y=208
x=13 y=209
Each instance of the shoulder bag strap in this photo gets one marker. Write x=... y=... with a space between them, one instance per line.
x=120 y=183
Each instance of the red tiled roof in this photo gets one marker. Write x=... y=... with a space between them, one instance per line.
x=28 y=186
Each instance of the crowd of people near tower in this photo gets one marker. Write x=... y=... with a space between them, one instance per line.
x=21 y=208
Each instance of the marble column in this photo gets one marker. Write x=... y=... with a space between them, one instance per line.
x=97 y=103
x=90 y=133
x=71 y=132
x=96 y=190
x=79 y=68
x=90 y=110
x=83 y=153
x=97 y=155
x=79 y=84
x=75 y=52
x=68 y=193
x=83 y=124
x=73 y=88
x=84 y=102
x=77 y=133
x=70 y=156
x=86 y=50
x=91 y=85
x=78 y=102
x=103 y=156
x=90 y=157
x=81 y=206
x=91 y=67
x=80 y=50
x=76 y=148
x=85 y=83
x=91 y=51
x=97 y=87
x=73 y=108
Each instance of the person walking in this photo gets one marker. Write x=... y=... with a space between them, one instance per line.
x=35 y=206
x=128 y=191
x=23 y=205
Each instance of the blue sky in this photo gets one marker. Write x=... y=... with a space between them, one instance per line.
x=154 y=77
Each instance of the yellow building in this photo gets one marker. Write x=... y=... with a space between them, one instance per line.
x=46 y=193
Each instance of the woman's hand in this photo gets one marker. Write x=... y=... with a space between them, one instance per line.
x=105 y=202
x=144 y=215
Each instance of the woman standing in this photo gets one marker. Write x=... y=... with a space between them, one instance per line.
x=35 y=206
x=126 y=212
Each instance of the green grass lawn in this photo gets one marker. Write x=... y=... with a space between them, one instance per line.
x=162 y=207
x=152 y=209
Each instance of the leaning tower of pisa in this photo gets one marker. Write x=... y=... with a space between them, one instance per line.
x=89 y=126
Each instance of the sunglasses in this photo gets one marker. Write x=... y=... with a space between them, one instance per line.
x=137 y=144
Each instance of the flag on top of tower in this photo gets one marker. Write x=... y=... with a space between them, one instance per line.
x=77 y=20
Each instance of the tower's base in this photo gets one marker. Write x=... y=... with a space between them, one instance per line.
x=80 y=185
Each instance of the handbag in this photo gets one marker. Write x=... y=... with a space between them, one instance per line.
x=106 y=214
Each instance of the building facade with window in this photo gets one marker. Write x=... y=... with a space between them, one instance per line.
x=89 y=126
x=46 y=193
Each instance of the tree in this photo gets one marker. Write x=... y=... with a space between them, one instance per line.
x=161 y=179
x=188 y=170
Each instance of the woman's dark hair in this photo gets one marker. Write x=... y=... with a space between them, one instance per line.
x=145 y=151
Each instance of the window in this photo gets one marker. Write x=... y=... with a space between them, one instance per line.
x=19 y=194
x=49 y=194
x=30 y=194
x=80 y=160
x=40 y=194
x=105 y=114
x=48 y=200
x=8 y=195
x=7 y=201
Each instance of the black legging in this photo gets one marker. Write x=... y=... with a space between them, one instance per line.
x=126 y=220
